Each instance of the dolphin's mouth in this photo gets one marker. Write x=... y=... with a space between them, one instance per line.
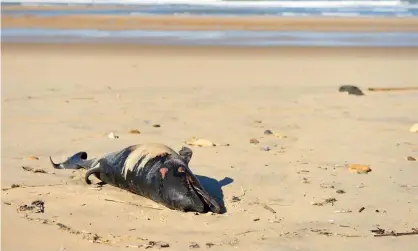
x=203 y=195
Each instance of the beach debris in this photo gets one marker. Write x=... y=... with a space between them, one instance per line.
x=275 y=220
x=195 y=141
x=340 y=191
x=33 y=158
x=412 y=88
x=267 y=207
x=209 y=245
x=30 y=169
x=326 y=201
x=254 y=141
x=112 y=135
x=410 y=158
x=322 y=232
x=7 y=203
x=380 y=232
x=264 y=205
x=194 y=245
x=275 y=134
x=414 y=128
x=256 y=219
x=235 y=199
x=91 y=237
x=268 y=132
x=11 y=187
x=134 y=131
x=63 y=227
x=133 y=204
x=158 y=244
x=361 y=209
x=359 y=168
x=265 y=148
x=36 y=206
x=156 y=125
x=351 y=90
x=324 y=185
x=342 y=211
x=133 y=246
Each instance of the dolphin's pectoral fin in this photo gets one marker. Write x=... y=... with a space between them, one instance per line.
x=186 y=153
x=207 y=198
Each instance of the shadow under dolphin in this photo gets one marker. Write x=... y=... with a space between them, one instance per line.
x=214 y=188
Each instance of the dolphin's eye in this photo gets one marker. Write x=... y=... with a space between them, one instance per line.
x=181 y=169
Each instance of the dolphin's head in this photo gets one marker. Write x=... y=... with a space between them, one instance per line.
x=179 y=189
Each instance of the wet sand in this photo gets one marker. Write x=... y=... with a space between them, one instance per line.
x=114 y=22
x=59 y=99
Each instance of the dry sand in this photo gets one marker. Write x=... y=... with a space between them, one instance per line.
x=59 y=99
x=113 y=22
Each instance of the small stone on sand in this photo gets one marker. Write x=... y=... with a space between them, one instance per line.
x=254 y=141
x=265 y=148
x=351 y=89
x=268 y=132
x=410 y=158
x=112 y=135
x=134 y=131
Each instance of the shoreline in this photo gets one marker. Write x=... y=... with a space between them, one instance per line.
x=255 y=23
x=203 y=50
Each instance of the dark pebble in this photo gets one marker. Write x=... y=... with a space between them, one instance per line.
x=351 y=89
x=268 y=132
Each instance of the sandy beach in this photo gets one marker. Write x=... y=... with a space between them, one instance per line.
x=258 y=23
x=59 y=99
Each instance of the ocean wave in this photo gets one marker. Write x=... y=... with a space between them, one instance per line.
x=214 y=38
x=223 y=3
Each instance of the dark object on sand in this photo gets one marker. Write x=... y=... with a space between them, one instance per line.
x=36 y=206
x=152 y=170
x=380 y=232
x=351 y=89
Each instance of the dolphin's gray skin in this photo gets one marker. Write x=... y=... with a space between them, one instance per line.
x=151 y=170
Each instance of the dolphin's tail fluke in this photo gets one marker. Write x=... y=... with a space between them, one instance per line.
x=77 y=161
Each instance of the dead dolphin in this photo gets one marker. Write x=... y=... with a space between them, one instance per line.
x=152 y=170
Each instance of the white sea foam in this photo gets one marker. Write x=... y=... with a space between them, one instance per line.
x=222 y=3
x=232 y=38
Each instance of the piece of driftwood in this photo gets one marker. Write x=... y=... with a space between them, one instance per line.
x=393 y=89
x=393 y=233
x=382 y=233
